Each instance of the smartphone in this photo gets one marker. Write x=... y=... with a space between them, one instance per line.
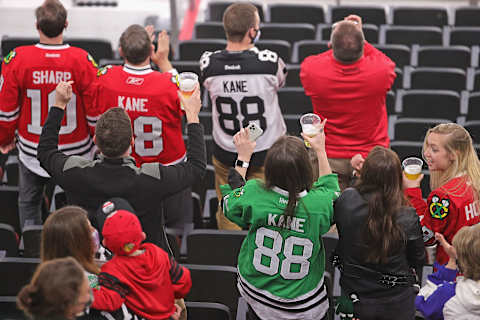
x=254 y=131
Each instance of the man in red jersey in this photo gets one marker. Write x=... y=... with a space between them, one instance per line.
x=27 y=89
x=348 y=86
x=150 y=99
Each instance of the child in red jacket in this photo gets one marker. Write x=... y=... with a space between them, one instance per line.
x=141 y=275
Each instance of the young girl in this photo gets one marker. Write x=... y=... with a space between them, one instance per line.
x=455 y=181
x=380 y=240
x=282 y=260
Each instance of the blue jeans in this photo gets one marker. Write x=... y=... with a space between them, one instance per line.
x=30 y=195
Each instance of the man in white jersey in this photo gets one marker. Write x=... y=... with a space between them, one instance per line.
x=242 y=82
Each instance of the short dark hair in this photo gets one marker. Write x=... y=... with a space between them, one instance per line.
x=347 y=42
x=113 y=133
x=51 y=18
x=54 y=289
x=288 y=166
x=238 y=18
x=135 y=44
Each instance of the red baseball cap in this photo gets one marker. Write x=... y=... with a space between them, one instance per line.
x=122 y=232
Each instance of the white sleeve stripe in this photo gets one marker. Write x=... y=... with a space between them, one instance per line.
x=9 y=119
x=9 y=113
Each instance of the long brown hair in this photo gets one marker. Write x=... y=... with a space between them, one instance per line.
x=458 y=143
x=288 y=166
x=54 y=289
x=381 y=182
x=66 y=232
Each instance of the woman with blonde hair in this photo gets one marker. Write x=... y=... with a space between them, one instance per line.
x=455 y=182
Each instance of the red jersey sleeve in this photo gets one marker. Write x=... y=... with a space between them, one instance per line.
x=110 y=294
x=181 y=280
x=9 y=98
x=87 y=88
x=371 y=51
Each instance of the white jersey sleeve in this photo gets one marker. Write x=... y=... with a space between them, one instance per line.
x=243 y=89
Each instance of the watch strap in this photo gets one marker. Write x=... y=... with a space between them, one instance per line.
x=242 y=164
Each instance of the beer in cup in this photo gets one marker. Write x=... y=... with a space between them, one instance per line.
x=412 y=167
x=187 y=81
x=311 y=125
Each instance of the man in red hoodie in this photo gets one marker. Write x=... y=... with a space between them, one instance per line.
x=141 y=275
x=348 y=86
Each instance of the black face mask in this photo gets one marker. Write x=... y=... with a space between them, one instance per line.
x=256 y=38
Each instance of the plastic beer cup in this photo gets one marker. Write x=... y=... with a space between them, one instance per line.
x=311 y=125
x=412 y=167
x=187 y=81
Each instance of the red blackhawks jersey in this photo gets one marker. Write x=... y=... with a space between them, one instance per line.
x=150 y=99
x=447 y=210
x=29 y=77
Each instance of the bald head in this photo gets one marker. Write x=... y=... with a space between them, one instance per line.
x=347 y=42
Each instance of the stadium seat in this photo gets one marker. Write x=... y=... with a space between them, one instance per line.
x=98 y=48
x=370 y=14
x=296 y=13
x=398 y=82
x=438 y=56
x=435 y=79
x=15 y=273
x=370 y=31
x=305 y=48
x=293 y=76
x=409 y=35
x=405 y=149
x=113 y=62
x=420 y=16
x=390 y=102
x=214 y=284
x=438 y=104
x=187 y=66
x=9 y=205
x=290 y=32
x=11 y=169
x=472 y=107
x=31 y=241
x=292 y=121
x=414 y=129
x=206 y=120
x=200 y=187
x=281 y=47
x=8 y=305
x=227 y=244
x=473 y=127
x=8 y=241
x=294 y=101
x=192 y=50
x=172 y=239
x=399 y=53
x=10 y=43
x=207 y=310
x=209 y=30
x=467 y=16
x=464 y=36
x=216 y=8
x=476 y=80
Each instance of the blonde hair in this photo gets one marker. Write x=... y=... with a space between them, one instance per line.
x=467 y=244
x=459 y=144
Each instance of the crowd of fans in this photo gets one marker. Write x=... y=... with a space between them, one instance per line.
x=112 y=139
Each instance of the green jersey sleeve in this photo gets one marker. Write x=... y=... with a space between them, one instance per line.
x=236 y=205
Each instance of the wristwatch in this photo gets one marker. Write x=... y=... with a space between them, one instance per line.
x=242 y=164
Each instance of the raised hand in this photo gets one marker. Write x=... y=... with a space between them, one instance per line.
x=63 y=94
x=244 y=145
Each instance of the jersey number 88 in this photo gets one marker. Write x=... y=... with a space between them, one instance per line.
x=247 y=117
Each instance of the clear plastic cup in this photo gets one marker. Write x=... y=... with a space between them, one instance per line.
x=412 y=167
x=311 y=125
x=187 y=81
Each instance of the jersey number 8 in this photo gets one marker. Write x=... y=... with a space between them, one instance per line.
x=290 y=257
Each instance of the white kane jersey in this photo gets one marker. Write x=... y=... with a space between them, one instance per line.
x=243 y=89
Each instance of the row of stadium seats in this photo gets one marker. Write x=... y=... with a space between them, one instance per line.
x=377 y=15
x=390 y=34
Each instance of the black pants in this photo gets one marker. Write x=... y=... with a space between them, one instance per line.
x=251 y=315
x=399 y=307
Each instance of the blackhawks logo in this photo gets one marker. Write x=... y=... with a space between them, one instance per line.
x=9 y=57
x=439 y=210
x=103 y=70
x=92 y=61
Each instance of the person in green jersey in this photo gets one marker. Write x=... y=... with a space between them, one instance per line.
x=282 y=259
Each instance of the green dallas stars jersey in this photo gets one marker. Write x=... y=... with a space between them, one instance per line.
x=281 y=268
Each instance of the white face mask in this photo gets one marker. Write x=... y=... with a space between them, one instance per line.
x=257 y=37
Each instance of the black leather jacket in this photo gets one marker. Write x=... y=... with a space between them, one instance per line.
x=351 y=211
